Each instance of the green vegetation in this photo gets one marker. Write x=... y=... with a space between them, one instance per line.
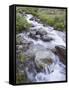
x=21 y=23
x=21 y=57
x=29 y=10
x=52 y=17
x=21 y=78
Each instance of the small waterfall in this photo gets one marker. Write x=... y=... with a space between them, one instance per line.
x=55 y=71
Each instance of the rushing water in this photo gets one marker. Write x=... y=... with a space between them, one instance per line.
x=58 y=68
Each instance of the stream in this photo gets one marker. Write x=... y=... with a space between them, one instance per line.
x=44 y=40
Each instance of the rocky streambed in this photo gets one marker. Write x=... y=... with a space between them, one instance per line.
x=40 y=53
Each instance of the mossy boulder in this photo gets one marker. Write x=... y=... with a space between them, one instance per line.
x=44 y=58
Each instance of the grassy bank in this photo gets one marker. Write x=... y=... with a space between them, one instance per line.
x=52 y=17
x=21 y=23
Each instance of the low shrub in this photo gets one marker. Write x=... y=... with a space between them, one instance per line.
x=59 y=26
x=21 y=23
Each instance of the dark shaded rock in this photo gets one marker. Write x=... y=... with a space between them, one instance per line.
x=38 y=36
x=34 y=36
x=35 y=19
x=46 y=38
x=61 y=52
x=32 y=18
x=32 y=25
x=41 y=32
x=33 y=32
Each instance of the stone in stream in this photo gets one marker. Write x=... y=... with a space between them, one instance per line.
x=41 y=32
x=46 y=38
x=35 y=19
x=22 y=44
x=38 y=36
x=32 y=32
x=61 y=52
x=32 y=18
x=44 y=58
x=33 y=35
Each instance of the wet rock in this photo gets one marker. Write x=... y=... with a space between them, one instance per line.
x=41 y=32
x=35 y=19
x=19 y=47
x=38 y=36
x=33 y=32
x=46 y=38
x=32 y=25
x=30 y=68
x=32 y=18
x=61 y=52
x=44 y=58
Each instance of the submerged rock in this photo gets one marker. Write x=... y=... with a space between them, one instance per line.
x=46 y=38
x=41 y=32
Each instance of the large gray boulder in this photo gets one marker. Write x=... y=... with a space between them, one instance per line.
x=44 y=58
x=41 y=32
x=46 y=38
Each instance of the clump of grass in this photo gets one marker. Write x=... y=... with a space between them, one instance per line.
x=21 y=57
x=59 y=26
x=20 y=78
x=21 y=23
x=52 y=17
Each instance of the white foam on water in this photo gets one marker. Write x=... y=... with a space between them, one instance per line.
x=56 y=75
x=56 y=71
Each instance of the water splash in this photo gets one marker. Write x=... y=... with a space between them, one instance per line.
x=55 y=71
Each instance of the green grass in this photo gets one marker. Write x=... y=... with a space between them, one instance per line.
x=21 y=23
x=55 y=18
x=21 y=57
x=48 y=16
